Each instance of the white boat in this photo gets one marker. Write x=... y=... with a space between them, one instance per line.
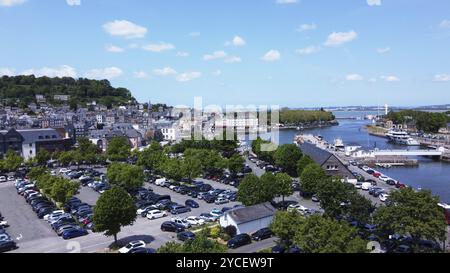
x=339 y=144
x=402 y=138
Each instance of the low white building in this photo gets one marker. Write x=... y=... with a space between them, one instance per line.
x=249 y=219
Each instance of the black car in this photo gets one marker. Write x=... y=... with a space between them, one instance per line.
x=185 y=235
x=180 y=209
x=262 y=234
x=44 y=211
x=209 y=198
x=172 y=227
x=294 y=249
x=142 y=250
x=239 y=240
x=191 y=203
x=278 y=249
x=7 y=246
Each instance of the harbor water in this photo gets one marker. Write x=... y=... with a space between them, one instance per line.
x=430 y=174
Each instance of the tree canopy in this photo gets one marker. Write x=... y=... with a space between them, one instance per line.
x=124 y=175
x=118 y=149
x=299 y=117
x=428 y=122
x=311 y=177
x=286 y=156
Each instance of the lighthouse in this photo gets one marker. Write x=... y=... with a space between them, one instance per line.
x=386 y=109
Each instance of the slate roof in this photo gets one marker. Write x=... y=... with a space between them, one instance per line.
x=37 y=135
x=252 y=213
x=319 y=156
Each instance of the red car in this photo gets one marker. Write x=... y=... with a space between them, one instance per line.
x=377 y=175
x=400 y=185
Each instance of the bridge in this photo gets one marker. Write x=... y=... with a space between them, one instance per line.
x=408 y=152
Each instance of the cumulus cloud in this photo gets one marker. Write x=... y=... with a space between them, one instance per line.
x=390 y=78
x=374 y=2
x=73 y=2
x=306 y=27
x=383 y=50
x=442 y=78
x=62 y=71
x=5 y=71
x=285 y=2
x=215 y=55
x=160 y=47
x=114 y=49
x=237 y=41
x=141 y=75
x=445 y=24
x=125 y=29
x=308 y=50
x=104 y=73
x=354 y=77
x=166 y=71
x=10 y=3
x=188 y=76
x=271 y=56
x=339 y=38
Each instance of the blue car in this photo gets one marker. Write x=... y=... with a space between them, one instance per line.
x=74 y=233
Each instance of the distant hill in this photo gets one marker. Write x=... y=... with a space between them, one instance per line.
x=23 y=90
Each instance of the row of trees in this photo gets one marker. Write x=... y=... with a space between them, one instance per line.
x=56 y=187
x=428 y=122
x=298 y=117
x=11 y=162
x=254 y=190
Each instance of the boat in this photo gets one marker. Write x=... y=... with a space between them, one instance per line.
x=402 y=138
x=339 y=144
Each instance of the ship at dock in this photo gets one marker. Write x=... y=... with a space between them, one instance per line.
x=401 y=138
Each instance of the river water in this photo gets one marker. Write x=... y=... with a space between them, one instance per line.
x=430 y=174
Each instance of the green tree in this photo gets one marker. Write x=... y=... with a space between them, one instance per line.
x=413 y=213
x=63 y=189
x=66 y=158
x=200 y=244
x=268 y=188
x=12 y=161
x=236 y=163
x=287 y=156
x=285 y=225
x=311 y=177
x=283 y=185
x=249 y=190
x=36 y=172
x=302 y=163
x=119 y=149
x=191 y=167
x=127 y=176
x=152 y=157
x=114 y=210
x=318 y=234
x=43 y=156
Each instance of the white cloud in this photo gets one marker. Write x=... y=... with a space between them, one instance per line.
x=114 y=49
x=233 y=59
x=442 y=78
x=182 y=54
x=306 y=27
x=339 y=38
x=188 y=76
x=166 y=71
x=124 y=28
x=214 y=56
x=104 y=73
x=4 y=71
x=354 y=77
x=10 y=3
x=390 y=78
x=445 y=24
x=237 y=41
x=160 y=47
x=383 y=50
x=141 y=75
x=284 y=2
x=308 y=50
x=217 y=73
x=374 y=2
x=62 y=71
x=271 y=56
x=194 y=34
x=73 y=2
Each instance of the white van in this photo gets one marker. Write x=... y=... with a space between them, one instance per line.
x=366 y=186
x=161 y=182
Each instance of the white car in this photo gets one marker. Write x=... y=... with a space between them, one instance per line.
x=383 y=197
x=54 y=215
x=182 y=222
x=297 y=207
x=64 y=171
x=132 y=245
x=154 y=214
x=11 y=178
x=160 y=182
x=366 y=186
x=144 y=209
x=195 y=221
x=3 y=224
x=84 y=177
x=365 y=168
x=2 y=179
x=384 y=178
x=172 y=187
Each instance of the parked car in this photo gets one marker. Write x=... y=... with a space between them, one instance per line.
x=180 y=209
x=154 y=214
x=182 y=222
x=185 y=235
x=208 y=217
x=132 y=245
x=278 y=249
x=262 y=234
x=220 y=201
x=239 y=240
x=191 y=203
x=142 y=250
x=74 y=233
x=384 y=197
x=7 y=246
x=195 y=221
x=172 y=227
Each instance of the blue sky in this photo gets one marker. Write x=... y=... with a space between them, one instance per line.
x=291 y=53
